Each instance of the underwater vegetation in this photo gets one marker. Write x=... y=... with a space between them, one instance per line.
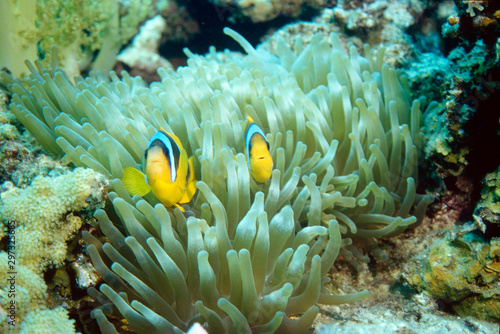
x=345 y=141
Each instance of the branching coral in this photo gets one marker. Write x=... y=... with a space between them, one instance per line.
x=345 y=142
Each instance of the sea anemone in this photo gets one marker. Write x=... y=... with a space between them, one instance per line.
x=345 y=143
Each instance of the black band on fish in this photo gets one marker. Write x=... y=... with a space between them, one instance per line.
x=170 y=149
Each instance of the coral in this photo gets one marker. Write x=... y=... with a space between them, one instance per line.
x=463 y=271
x=46 y=205
x=142 y=54
x=468 y=86
x=266 y=10
x=17 y=22
x=345 y=140
x=29 y=292
x=382 y=22
x=474 y=20
x=45 y=215
x=180 y=26
x=474 y=4
x=53 y=321
x=8 y=131
x=78 y=28
x=488 y=208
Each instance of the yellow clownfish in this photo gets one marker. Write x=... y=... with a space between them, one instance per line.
x=169 y=172
x=260 y=162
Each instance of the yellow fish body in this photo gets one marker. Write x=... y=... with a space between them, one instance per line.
x=260 y=162
x=169 y=172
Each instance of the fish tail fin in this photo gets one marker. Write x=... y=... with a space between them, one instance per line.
x=134 y=182
x=190 y=183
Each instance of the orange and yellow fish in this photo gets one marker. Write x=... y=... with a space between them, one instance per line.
x=169 y=172
x=260 y=162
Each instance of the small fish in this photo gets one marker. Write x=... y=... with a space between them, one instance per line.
x=260 y=162
x=169 y=172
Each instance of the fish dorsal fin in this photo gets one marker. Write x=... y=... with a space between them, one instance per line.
x=171 y=148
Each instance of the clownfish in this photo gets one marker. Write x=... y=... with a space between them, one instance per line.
x=260 y=162
x=169 y=172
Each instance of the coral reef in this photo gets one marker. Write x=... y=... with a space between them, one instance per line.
x=344 y=138
x=381 y=22
x=142 y=54
x=251 y=256
x=29 y=314
x=266 y=10
x=463 y=271
x=43 y=217
x=47 y=321
x=47 y=205
x=392 y=302
x=79 y=29
x=474 y=20
x=470 y=86
x=180 y=26
x=464 y=80
x=487 y=210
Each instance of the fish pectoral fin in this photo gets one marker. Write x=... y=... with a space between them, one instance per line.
x=179 y=207
x=134 y=182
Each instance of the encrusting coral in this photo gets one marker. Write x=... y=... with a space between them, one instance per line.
x=345 y=141
x=44 y=216
x=464 y=272
x=46 y=205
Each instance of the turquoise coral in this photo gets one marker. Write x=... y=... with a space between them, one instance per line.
x=345 y=141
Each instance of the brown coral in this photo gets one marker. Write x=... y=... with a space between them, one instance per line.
x=465 y=273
